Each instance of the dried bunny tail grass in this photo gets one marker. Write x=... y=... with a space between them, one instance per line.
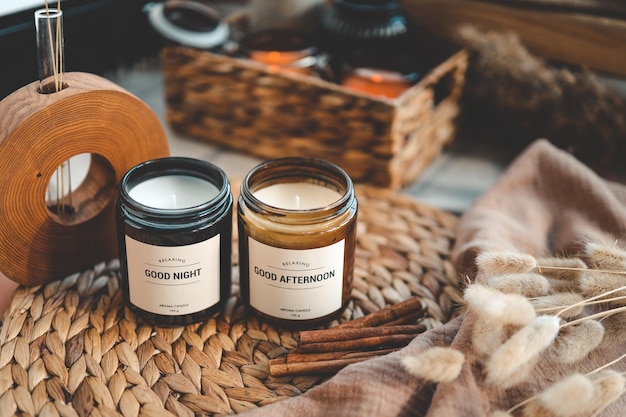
x=564 y=398
x=575 y=395
x=608 y=386
x=614 y=329
x=436 y=364
x=500 y=413
x=569 y=304
x=535 y=409
x=601 y=284
x=487 y=336
x=521 y=347
x=599 y=315
x=528 y=284
x=563 y=285
x=606 y=256
x=575 y=342
x=522 y=373
x=600 y=298
x=504 y=262
x=566 y=269
x=491 y=304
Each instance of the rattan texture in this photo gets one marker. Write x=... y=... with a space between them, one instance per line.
x=72 y=348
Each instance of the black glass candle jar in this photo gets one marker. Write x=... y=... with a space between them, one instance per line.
x=375 y=26
x=174 y=227
x=297 y=237
x=349 y=24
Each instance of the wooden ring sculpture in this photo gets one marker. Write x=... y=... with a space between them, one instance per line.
x=38 y=133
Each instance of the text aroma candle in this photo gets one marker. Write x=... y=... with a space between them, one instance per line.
x=174 y=225
x=297 y=236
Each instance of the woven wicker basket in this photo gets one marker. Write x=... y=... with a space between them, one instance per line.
x=239 y=104
x=72 y=348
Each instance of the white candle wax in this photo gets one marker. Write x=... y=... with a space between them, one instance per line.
x=173 y=192
x=297 y=196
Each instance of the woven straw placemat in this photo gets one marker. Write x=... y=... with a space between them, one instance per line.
x=72 y=348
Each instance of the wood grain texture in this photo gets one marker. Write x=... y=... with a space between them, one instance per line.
x=38 y=132
x=586 y=40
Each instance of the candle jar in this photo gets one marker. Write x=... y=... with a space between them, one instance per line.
x=283 y=49
x=379 y=74
x=174 y=227
x=297 y=236
x=189 y=23
x=373 y=25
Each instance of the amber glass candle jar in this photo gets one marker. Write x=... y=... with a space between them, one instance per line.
x=174 y=226
x=297 y=236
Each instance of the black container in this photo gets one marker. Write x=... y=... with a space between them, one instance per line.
x=175 y=261
x=372 y=24
x=372 y=27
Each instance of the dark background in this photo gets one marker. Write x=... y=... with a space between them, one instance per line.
x=100 y=35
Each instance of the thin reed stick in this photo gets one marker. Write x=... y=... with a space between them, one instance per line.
x=62 y=177
x=601 y=314
x=606 y=365
x=59 y=51
x=55 y=69
x=585 y=301
x=568 y=268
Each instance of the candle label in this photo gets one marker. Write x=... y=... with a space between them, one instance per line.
x=296 y=284
x=174 y=280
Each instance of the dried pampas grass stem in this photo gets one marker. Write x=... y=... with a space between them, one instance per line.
x=549 y=292
x=519 y=349
x=608 y=386
x=528 y=284
x=563 y=399
x=436 y=364
x=568 y=304
x=599 y=315
x=493 y=305
x=606 y=365
x=565 y=269
x=609 y=257
x=575 y=342
x=575 y=395
x=588 y=301
x=502 y=262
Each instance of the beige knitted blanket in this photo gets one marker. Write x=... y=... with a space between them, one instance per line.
x=524 y=345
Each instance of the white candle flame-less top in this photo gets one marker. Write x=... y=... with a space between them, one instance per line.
x=297 y=196
x=173 y=192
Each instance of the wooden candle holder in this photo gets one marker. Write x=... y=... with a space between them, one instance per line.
x=38 y=133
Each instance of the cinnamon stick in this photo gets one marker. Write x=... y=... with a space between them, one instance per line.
x=329 y=350
x=336 y=334
x=374 y=342
x=389 y=314
x=327 y=356
x=408 y=319
x=280 y=367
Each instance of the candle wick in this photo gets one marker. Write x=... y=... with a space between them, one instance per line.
x=297 y=201
x=173 y=200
